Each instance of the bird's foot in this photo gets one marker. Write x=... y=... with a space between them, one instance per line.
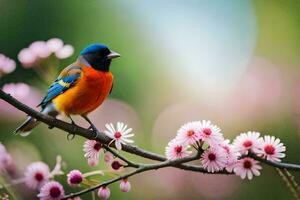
x=50 y=127
x=95 y=130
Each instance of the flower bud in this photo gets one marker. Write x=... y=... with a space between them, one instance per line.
x=74 y=177
x=104 y=193
x=125 y=185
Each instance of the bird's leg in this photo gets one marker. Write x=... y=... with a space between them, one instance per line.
x=92 y=126
x=72 y=121
x=71 y=136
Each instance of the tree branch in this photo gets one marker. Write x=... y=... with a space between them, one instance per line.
x=102 y=138
x=140 y=169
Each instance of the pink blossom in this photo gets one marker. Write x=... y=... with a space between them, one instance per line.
x=119 y=135
x=22 y=92
x=231 y=155
x=54 y=44
x=75 y=177
x=5 y=158
x=52 y=190
x=92 y=151
x=7 y=65
x=176 y=150
x=64 y=52
x=189 y=133
x=272 y=149
x=108 y=157
x=250 y=141
x=209 y=133
x=93 y=162
x=36 y=175
x=40 y=49
x=104 y=193
x=125 y=185
x=214 y=159
x=27 y=57
x=247 y=167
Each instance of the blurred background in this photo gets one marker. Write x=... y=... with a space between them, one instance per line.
x=233 y=62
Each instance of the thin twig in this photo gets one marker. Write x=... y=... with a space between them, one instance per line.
x=142 y=168
x=128 y=162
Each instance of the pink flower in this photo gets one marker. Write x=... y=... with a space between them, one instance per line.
x=54 y=44
x=231 y=155
x=209 y=133
x=40 y=49
x=5 y=159
x=36 y=175
x=7 y=65
x=92 y=151
x=125 y=185
x=52 y=190
x=74 y=178
x=64 y=52
x=108 y=157
x=104 y=193
x=250 y=141
x=189 y=133
x=119 y=135
x=214 y=159
x=27 y=57
x=272 y=149
x=176 y=150
x=93 y=162
x=247 y=167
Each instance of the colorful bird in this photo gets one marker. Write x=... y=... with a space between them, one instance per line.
x=79 y=89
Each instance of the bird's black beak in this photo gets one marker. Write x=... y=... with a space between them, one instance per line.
x=113 y=55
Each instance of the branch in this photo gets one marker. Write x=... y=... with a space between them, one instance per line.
x=140 y=169
x=89 y=134
x=102 y=138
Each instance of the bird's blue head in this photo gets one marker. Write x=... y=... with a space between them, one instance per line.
x=98 y=56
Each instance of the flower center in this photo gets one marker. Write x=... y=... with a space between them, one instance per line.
x=212 y=157
x=39 y=176
x=190 y=133
x=269 y=149
x=117 y=135
x=247 y=164
x=55 y=192
x=247 y=143
x=76 y=179
x=207 y=131
x=178 y=149
x=97 y=146
x=116 y=165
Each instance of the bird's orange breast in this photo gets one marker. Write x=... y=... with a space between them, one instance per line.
x=87 y=94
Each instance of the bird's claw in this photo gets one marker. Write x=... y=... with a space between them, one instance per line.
x=95 y=130
x=50 y=127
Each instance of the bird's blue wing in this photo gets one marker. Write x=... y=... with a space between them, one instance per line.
x=66 y=80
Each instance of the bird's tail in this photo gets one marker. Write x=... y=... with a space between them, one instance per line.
x=30 y=123
x=25 y=128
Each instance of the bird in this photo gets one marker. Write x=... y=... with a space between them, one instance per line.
x=79 y=89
